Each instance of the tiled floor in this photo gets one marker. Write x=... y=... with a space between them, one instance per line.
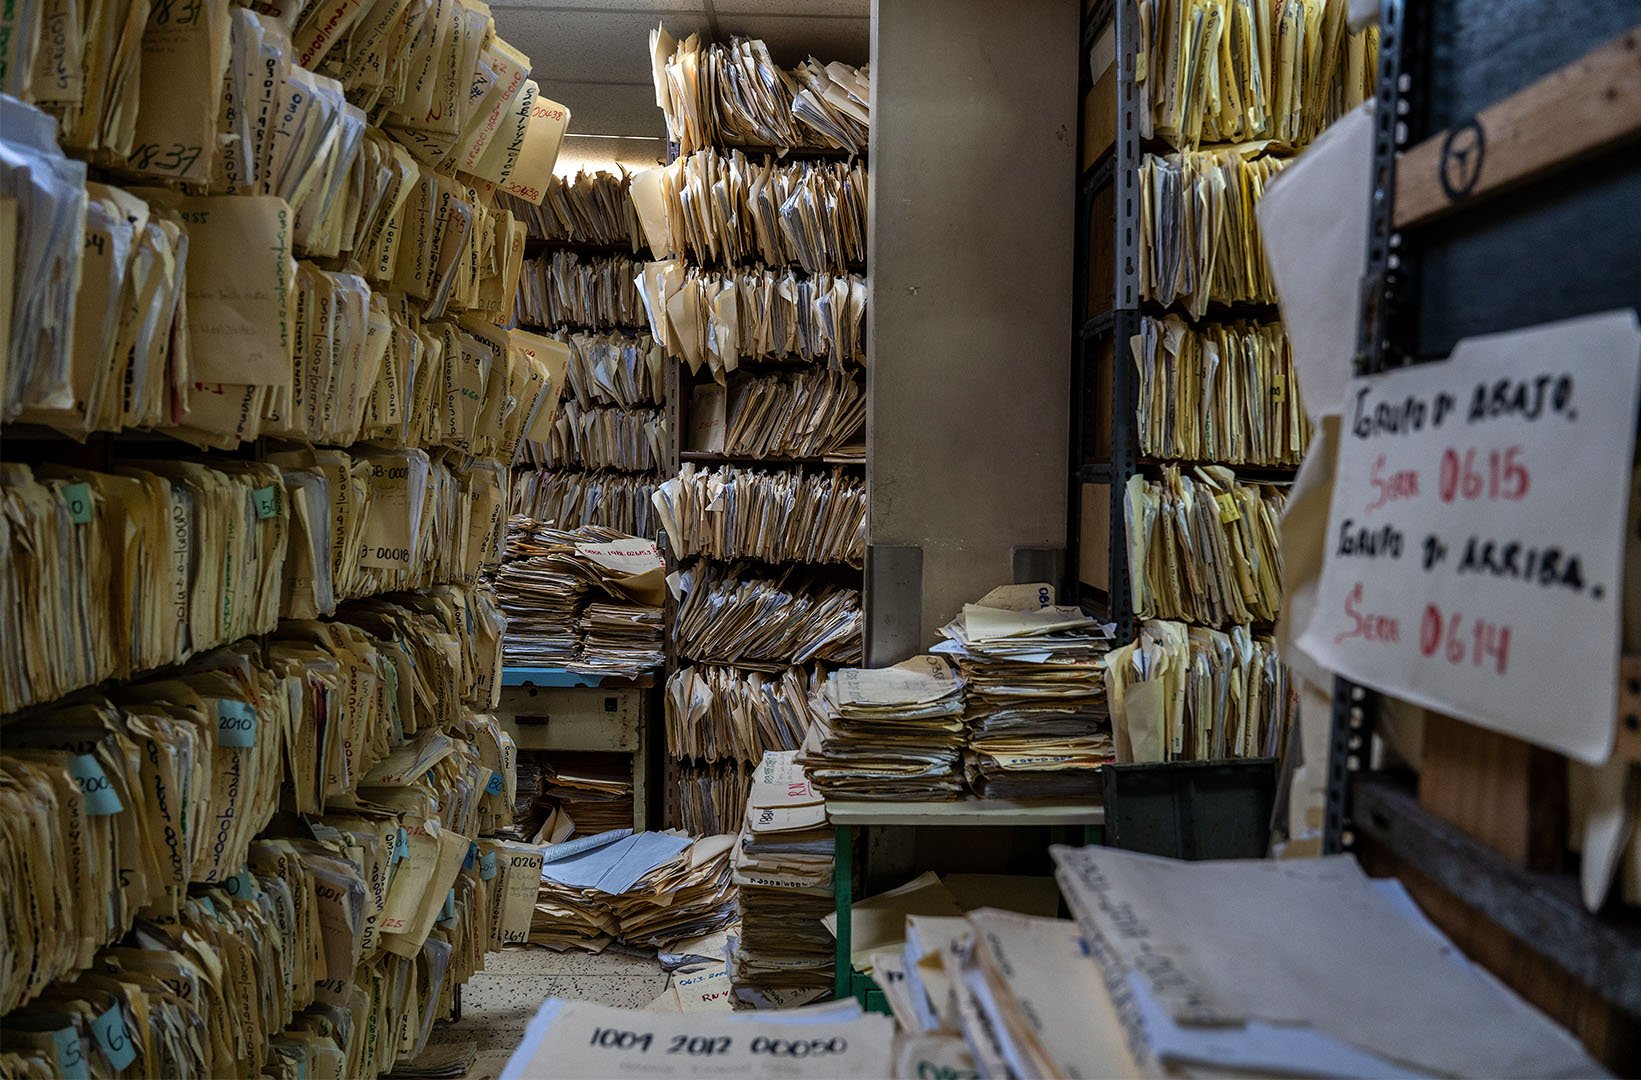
x=499 y=1002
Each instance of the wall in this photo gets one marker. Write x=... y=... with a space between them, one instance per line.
x=969 y=318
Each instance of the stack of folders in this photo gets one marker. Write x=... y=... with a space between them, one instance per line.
x=232 y=337
x=717 y=318
x=775 y=516
x=230 y=96
x=1183 y=693
x=1234 y=70
x=794 y=414
x=1199 y=239
x=1224 y=392
x=602 y=437
x=585 y=290
x=1038 y=725
x=620 y=502
x=1303 y=970
x=1204 y=546
x=615 y=369
x=735 y=94
x=110 y=574
x=783 y=869
x=589 y=208
x=711 y=798
x=544 y=585
x=722 y=713
x=643 y=889
x=592 y=793
x=889 y=733
x=730 y=615
x=716 y=207
x=138 y=812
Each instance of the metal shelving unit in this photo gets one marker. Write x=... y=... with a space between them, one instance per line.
x=1486 y=261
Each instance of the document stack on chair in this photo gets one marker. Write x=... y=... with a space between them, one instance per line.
x=889 y=733
x=783 y=870
x=1038 y=726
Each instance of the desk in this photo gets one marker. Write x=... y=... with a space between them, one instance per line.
x=848 y=816
x=546 y=708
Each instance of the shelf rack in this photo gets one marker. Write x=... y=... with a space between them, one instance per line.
x=1481 y=839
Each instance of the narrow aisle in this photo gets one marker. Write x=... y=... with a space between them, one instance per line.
x=498 y=1002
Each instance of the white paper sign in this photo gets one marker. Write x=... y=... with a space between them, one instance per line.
x=579 y=1038
x=1476 y=532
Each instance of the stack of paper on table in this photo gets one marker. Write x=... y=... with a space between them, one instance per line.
x=650 y=889
x=783 y=866
x=544 y=585
x=1038 y=726
x=1305 y=967
x=579 y=1038
x=889 y=733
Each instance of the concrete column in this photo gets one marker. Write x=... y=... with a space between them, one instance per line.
x=969 y=320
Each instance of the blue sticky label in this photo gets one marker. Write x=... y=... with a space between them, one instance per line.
x=70 y=1054
x=113 y=1039
x=209 y=905
x=487 y=866
x=497 y=784
x=98 y=789
x=236 y=723
x=403 y=850
x=78 y=498
x=240 y=886
x=266 y=501
x=448 y=912
x=472 y=854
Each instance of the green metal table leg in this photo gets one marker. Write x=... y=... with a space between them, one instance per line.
x=843 y=888
x=1093 y=834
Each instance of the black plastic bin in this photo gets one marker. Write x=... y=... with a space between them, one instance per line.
x=1191 y=809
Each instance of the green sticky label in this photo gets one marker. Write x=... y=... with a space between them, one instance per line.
x=113 y=1039
x=100 y=796
x=78 y=498
x=266 y=501
x=236 y=723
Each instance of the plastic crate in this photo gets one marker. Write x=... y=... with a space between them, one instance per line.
x=1191 y=809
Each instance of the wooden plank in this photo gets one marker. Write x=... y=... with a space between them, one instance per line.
x=1506 y=793
x=967 y=811
x=1094 y=537
x=1629 y=709
x=1100 y=117
x=1589 y=105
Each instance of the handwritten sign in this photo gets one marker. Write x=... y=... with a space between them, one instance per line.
x=1476 y=532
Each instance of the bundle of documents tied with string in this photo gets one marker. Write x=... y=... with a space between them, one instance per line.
x=889 y=733
x=735 y=94
x=545 y=584
x=783 y=869
x=645 y=889
x=1038 y=725
x=711 y=796
x=1307 y=968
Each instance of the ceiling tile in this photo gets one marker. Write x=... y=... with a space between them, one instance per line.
x=609 y=110
x=858 y=9
x=791 y=38
x=589 y=46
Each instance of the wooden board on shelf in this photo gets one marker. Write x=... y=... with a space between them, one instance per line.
x=1094 y=539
